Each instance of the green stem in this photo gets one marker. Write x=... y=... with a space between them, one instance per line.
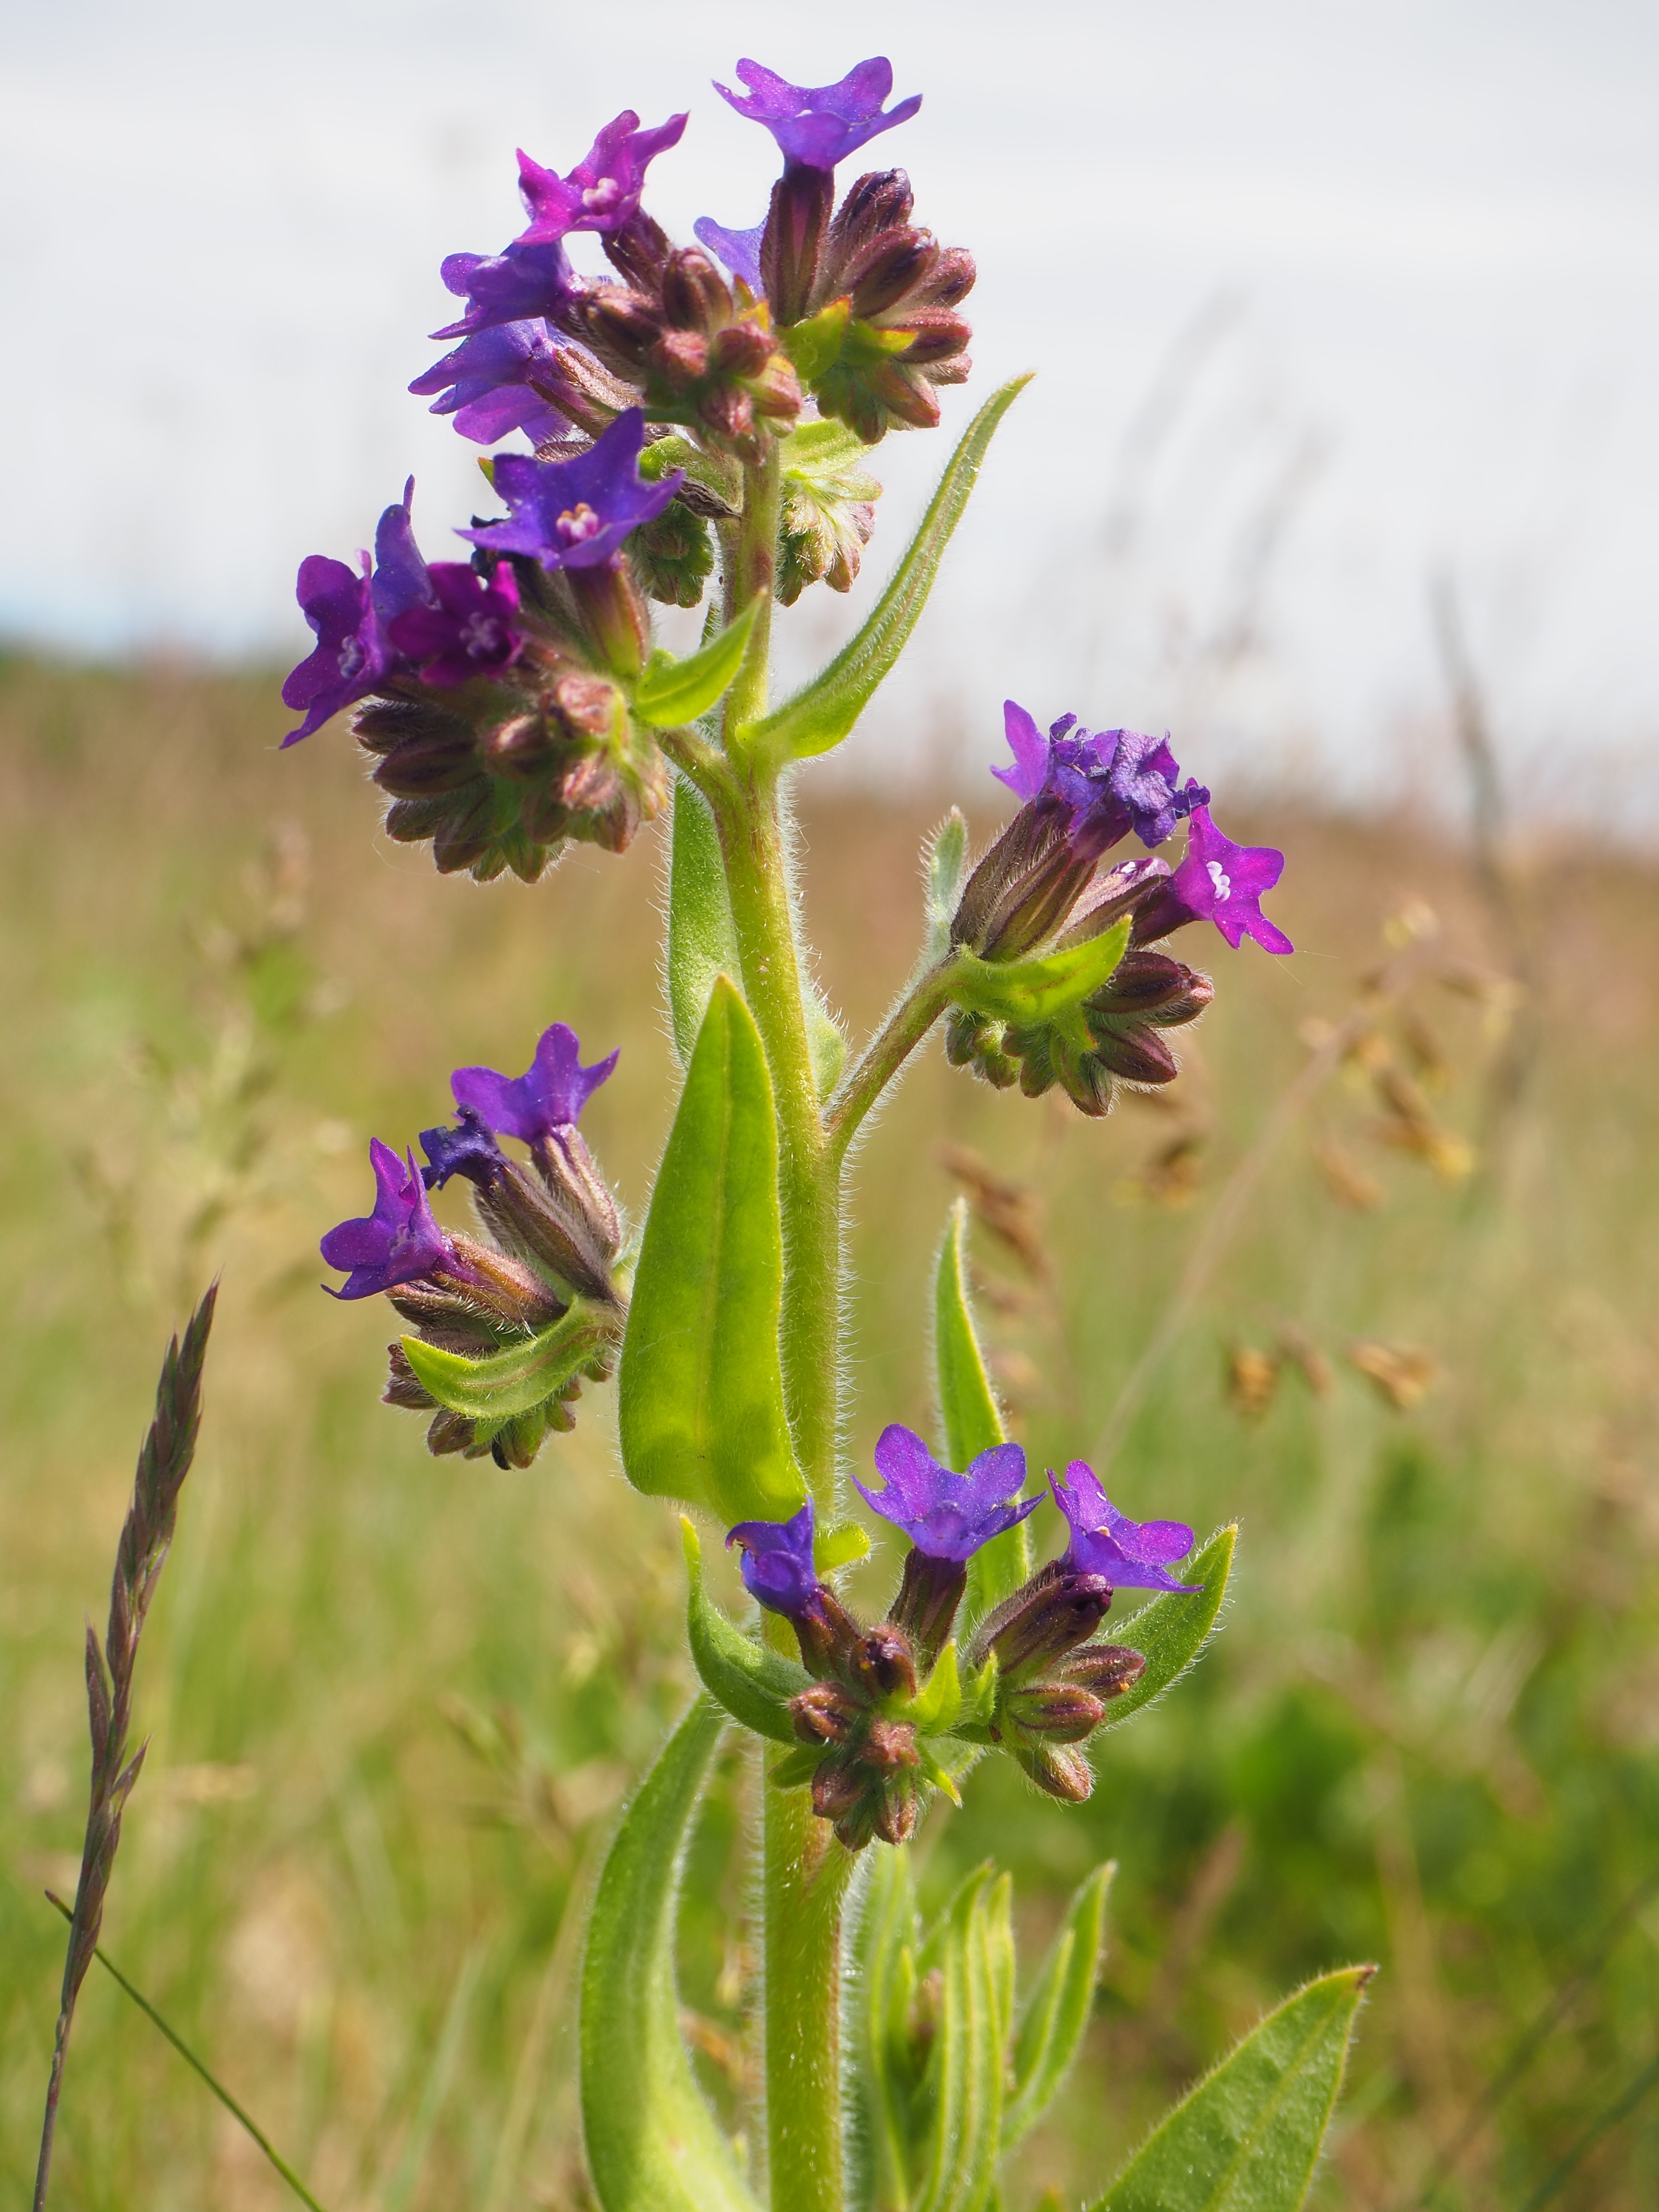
x=897 y=1038
x=805 y=1877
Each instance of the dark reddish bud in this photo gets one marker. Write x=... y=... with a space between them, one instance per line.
x=1064 y=1712
x=740 y=350
x=836 y=1789
x=526 y=1217
x=680 y=358
x=380 y=725
x=896 y=1810
x=1058 y=1609
x=791 y=247
x=403 y=1389
x=524 y=747
x=695 y=295
x=888 y=1746
x=504 y=1286
x=463 y=836
x=1060 y=1769
x=882 y=1665
x=824 y=1714
x=1107 y=1670
x=1134 y=1055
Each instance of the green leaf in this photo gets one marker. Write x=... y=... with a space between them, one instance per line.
x=827 y=450
x=821 y=714
x=671 y=692
x=702 y=942
x=1246 y=2138
x=519 y=1379
x=1056 y=2012
x=936 y=1705
x=753 y=1685
x=653 y=2144
x=839 y=1545
x=965 y=2068
x=826 y=1042
x=797 y=1767
x=711 y=472
x=1172 y=1631
x=968 y=1415
x=885 y=2078
x=1040 y=989
x=701 y=1389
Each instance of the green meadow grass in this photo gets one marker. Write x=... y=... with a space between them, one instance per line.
x=394 y=1701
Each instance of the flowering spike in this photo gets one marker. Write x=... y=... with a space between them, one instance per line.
x=946 y=1516
x=1129 y=1554
x=576 y=515
x=818 y=126
x=548 y=1097
x=399 y=1242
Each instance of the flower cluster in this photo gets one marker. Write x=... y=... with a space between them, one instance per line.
x=1041 y=888
x=543 y=1284
x=1036 y=1685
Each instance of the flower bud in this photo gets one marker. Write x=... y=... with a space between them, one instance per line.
x=824 y=1714
x=527 y=1218
x=1061 y=1770
x=1064 y=1712
x=792 y=246
x=1106 y=1669
x=1022 y=887
x=890 y=1745
x=505 y=1287
x=1058 y=1609
x=882 y=1665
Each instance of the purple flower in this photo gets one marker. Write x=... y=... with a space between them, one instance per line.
x=548 y=1097
x=575 y=515
x=465 y=629
x=485 y=384
x=1129 y=1554
x=603 y=190
x=946 y=1516
x=349 y=614
x=1219 y=882
x=738 y=249
x=469 y=1151
x=523 y=283
x=1113 y=782
x=1142 y=775
x=399 y=1242
x=777 y=1564
x=818 y=126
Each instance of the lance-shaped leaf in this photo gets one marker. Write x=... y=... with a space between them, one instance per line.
x=753 y=1685
x=522 y=1377
x=702 y=942
x=1056 y=2012
x=821 y=714
x=969 y=1419
x=701 y=1388
x=886 y=2081
x=673 y=692
x=1172 y=1631
x=1246 y=2138
x=944 y=864
x=1043 y=988
x=653 y=2144
x=964 y=2083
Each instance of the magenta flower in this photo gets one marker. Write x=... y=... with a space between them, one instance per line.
x=575 y=515
x=1219 y=882
x=1142 y=775
x=777 y=1564
x=399 y=1242
x=818 y=126
x=946 y=1516
x=1128 y=1554
x=521 y=283
x=349 y=614
x=548 y=1097
x=469 y=1150
x=738 y=249
x=485 y=384
x=467 y=628
x=603 y=190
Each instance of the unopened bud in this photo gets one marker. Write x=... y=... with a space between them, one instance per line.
x=523 y=748
x=836 y=1789
x=422 y=765
x=824 y=1714
x=881 y=1663
x=503 y=1285
x=1060 y=1769
x=890 y=1746
x=792 y=245
x=1058 y=1609
x=527 y=1217
x=1107 y=1670
x=1064 y=1712
x=1020 y=889
x=695 y=295
x=896 y=1810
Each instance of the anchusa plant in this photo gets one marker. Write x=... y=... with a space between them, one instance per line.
x=700 y=422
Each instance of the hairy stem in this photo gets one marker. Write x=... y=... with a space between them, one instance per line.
x=897 y=1038
x=805 y=1881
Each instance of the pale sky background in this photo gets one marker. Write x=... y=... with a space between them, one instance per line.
x=1325 y=299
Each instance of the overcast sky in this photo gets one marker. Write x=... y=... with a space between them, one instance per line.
x=1325 y=299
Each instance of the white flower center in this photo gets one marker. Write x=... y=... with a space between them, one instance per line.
x=1221 y=879
x=352 y=657
x=600 y=199
x=481 y=635
x=577 y=522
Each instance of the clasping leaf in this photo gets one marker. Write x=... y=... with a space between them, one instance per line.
x=968 y=1412
x=522 y=1377
x=1039 y=989
x=671 y=692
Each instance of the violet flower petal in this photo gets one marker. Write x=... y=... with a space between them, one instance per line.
x=1129 y=1554
x=523 y=283
x=738 y=249
x=399 y=1242
x=576 y=514
x=548 y=1097
x=946 y=1516
x=777 y=1566
x=603 y=190
x=468 y=630
x=1223 y=883
x=818 y=126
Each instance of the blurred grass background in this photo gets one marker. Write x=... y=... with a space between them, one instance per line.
x=394 y=1701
